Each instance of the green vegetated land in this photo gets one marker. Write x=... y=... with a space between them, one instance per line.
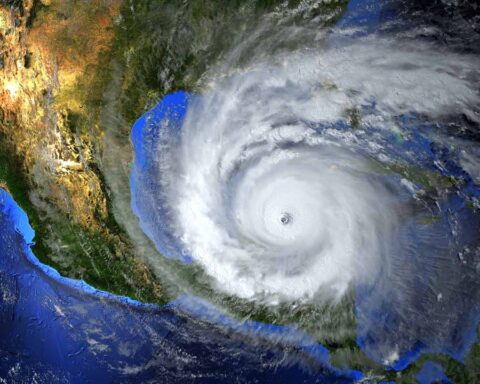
x=163 y=46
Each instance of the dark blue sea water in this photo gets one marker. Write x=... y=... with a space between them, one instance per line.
x=58 y=330
x=452 y=326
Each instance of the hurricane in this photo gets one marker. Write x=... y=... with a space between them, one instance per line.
x=311 y=176
x=250 y=191
x=271 y=189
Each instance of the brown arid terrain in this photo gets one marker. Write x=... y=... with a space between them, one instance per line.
x=76 y=74
x=53 y=56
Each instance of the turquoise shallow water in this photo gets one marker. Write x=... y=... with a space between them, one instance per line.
x=61 y=330
x=382 y=304
x=425 y=298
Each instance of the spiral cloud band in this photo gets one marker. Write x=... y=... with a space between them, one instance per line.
x=269 y=184
x=271 y=208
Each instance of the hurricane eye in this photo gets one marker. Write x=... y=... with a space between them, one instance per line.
x=285 y=218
